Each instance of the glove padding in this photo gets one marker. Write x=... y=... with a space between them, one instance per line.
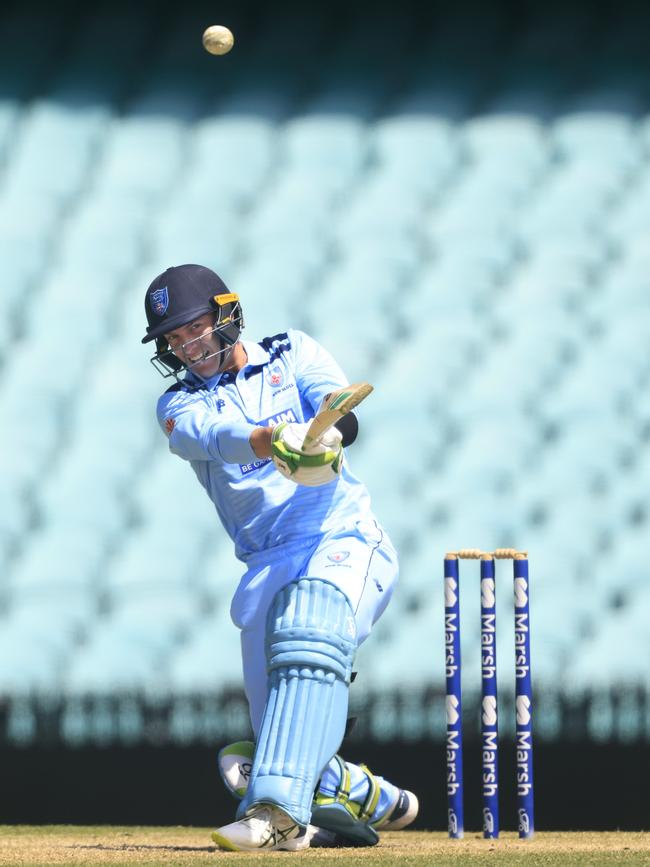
x=317 y=464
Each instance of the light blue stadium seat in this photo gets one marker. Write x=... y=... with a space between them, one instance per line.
x=627 y=284
x=291 y=210
x=118 y=660
x=58 y=146
x=168 y=479
x=601 y=179
x=57 y=559
x=594 y=387
x=488 y=182
x=417 y=151
x=247 y=145
x=555 y=255
x=625 y=344
x=630 y=221
x=380 y=208
x=29 y=447
x=281 y=256
x=209 y=661
x=61 y=307
x=13 y=521
x=150 y=559
x=100 y=238
x=68 y=498
x=617 y=653
x=551 y=294
x=220 y=570
x=194 y=232
x=623 y=571
x=113 y=370
x=9 y=113
x=27 y=224
x=95 y=422
x=329 y=143
x=161 y=616
x=596 y=132
x=272 y=299
x=452 y=288
x=57 y=615
x=399 y=256
x=456 y=218
x=142 y=155
x=449 y=350
x=391 y=664
x=27 y=664
x=488 y=258
x=364 y=293
x=551 y=219
x=494 y=446
x=518 y=138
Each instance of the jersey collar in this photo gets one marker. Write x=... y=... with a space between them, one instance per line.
x=256 y=356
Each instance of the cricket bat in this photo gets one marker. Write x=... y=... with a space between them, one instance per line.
x=335 y=406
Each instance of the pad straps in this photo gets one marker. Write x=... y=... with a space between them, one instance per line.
x=363 y=812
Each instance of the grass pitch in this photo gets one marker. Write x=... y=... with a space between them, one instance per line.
x=76 y=845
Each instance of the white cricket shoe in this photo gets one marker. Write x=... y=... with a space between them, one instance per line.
x=266 y=827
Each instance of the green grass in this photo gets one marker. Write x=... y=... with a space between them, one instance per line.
x=64 y=845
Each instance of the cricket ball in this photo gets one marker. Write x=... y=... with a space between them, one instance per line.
x=217 y=39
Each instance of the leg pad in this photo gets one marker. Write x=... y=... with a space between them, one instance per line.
x=310 y=647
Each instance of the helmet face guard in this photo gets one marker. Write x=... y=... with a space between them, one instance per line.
x=228 y=324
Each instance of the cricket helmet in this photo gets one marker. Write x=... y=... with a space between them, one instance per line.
x=178 y=296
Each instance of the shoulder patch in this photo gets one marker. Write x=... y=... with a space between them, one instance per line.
x=268 y=342
x=284 y=345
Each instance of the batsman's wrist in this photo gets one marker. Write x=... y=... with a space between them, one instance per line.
x=260 y=441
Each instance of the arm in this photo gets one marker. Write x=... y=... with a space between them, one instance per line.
x=197 y=432
x=260 y=440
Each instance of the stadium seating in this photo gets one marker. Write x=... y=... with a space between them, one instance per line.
x=472 y=238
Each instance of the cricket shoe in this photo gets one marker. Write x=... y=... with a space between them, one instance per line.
x=266 y=827
x=402 y=814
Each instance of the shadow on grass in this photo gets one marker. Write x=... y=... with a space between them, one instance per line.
x=136 y=847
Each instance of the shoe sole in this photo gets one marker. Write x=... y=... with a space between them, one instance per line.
x=224 y=843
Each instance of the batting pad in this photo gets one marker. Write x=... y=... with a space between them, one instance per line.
x=310 y=646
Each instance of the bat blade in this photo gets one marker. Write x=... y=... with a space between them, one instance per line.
x=334 y=407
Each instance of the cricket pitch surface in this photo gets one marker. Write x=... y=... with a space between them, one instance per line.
x=181 y=846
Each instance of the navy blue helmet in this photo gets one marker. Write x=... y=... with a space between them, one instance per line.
x=180 y=295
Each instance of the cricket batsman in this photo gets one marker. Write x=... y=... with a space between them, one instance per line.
x=319 y=569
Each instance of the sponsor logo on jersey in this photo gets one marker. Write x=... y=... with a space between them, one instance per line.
x=338 y=556
x=275 y=376
x=288 y=415
x=170 y=424
x=160 y=301
x=251 y=468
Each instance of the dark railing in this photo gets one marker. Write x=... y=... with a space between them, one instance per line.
x=617 y=715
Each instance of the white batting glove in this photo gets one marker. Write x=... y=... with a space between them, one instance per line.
x=316 y=464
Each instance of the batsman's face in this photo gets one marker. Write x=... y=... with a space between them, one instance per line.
x=199 y=347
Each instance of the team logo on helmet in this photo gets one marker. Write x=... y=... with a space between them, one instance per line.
x=338 y=556
x=275 y=376
x=160 y=301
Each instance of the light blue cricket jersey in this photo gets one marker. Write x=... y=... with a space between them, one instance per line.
x=285 y=379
